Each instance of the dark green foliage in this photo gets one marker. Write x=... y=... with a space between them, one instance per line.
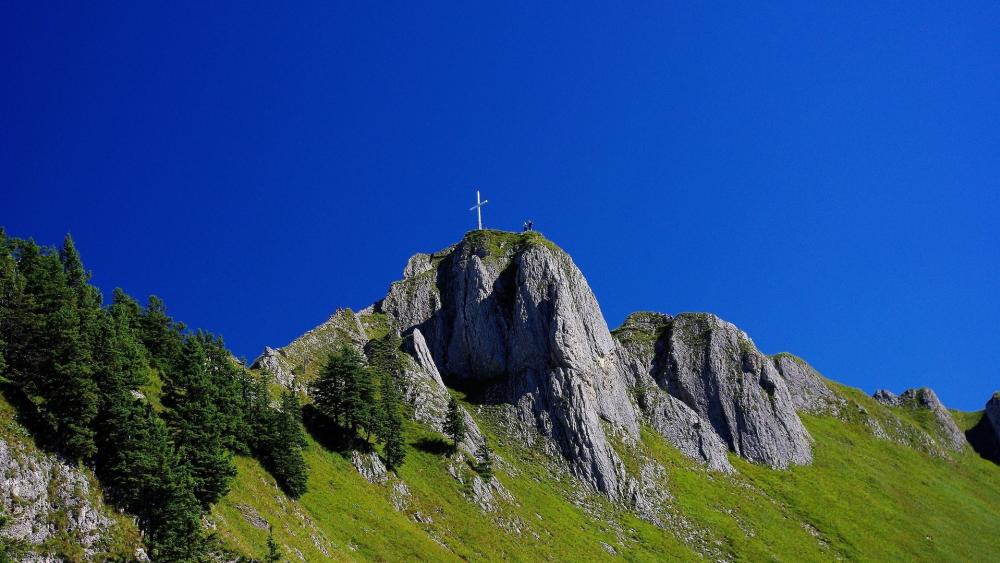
x=344 y=391
x=74 y=368
x=391 y=428
x=384 y=354
x=273 y=554
x=48 y=327
x=345 y=394
x=280 y=440
x=161 y=336
x=197 y=425
x=484 y=465
x=454 y=425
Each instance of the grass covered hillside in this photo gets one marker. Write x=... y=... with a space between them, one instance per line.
x=863 y=498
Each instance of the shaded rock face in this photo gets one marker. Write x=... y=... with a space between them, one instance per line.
x=36 y=489
x=716 y=370
x=514 y=312
x=984 y=437
x=425 y=391
x=993 y=414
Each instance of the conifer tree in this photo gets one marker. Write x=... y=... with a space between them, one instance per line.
x=197 y=425
x=485 y=461
x=454 y=424
x=281 y=446
x=160 y=334
x=392 y=424
x=10 y=293
x=273 y=554
x=344 y=392
x=49 y=353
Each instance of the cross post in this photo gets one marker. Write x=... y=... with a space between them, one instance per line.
x=478 y=208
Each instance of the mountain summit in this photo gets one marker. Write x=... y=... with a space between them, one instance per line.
x=510 y=320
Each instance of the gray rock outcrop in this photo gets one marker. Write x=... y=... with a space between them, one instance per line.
x=43 y=496
x=640 y=337
x=948 y=434
x=298 y=363
x=514 y=312
x=925 y=397
x=886 y=397
x=805 y=385
x=425 y=391
x=715 y=369
x=370 y=466
x=510 y=318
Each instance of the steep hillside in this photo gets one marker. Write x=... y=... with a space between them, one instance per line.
x=669 y=437
x=863 y=497
x=530 y=431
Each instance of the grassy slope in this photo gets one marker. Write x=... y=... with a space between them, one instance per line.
x=862 y=498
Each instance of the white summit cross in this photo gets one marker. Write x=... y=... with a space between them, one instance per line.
x=478 y=208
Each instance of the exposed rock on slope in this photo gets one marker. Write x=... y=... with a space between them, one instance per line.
x=424 y=389
x=298 y=362
x=640 y=336
x=706 y=388
x=511 y=318
x=45 y=499
x=515 y=311
x=949 y=434
x=805 y=384
x=717 y=371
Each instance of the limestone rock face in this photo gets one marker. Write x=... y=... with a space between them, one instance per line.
x=641 y=350
x=514 y=310
x=886 y=397
x=949 y=432
x=715 y=369
x=805 y=385
x=424 y=389
x=370 y=466
x=35 y=488
x=272 y=361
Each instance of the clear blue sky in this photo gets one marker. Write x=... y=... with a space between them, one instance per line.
x=823 y=175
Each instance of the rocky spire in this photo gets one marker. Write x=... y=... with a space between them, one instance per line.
x=513 y=312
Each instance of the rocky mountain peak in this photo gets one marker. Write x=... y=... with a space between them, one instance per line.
x=511 y=317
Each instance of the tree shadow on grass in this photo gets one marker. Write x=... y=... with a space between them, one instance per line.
x=326 y=432
x=435 y=446
x=26 y=414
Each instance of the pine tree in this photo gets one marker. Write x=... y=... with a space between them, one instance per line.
x=454 y=425
x=11 y=285
x=281 y=445
x=273 y=554
x=391 y=427
x=485 y=461
x=197 y=425
x=48 y=349
x=344 y=392
x=160 y=335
